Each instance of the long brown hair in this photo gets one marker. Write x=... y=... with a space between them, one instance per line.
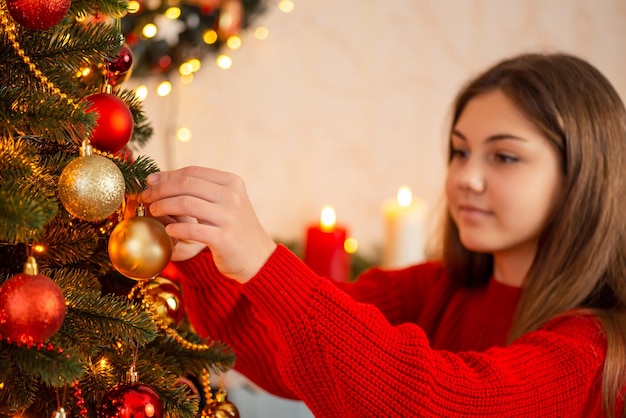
x=581 y=257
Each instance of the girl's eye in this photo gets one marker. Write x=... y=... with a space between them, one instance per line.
x=506 y=158
x=458 y=153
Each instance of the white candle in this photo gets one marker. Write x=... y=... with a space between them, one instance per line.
x=404 y=222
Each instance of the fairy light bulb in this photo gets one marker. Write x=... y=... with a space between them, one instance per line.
x=141 y=93
x=261 y=33
x=183 y=134
x=185 y=68
x=173 y=13
x=209 y=37
x=149 y=31
x=164 y=88
x=286 y=6
x=233 y=42
x=224 y=62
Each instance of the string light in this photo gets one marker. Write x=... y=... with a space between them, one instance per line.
x=286 y=6
x=150 y=30
x=224 y=61
x=164 y=88
x=173 y=13
x=233 y=42
x=209 y=37
x=261 y=33
x=183 y=134
x=141 y=93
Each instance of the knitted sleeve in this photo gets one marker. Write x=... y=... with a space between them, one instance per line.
x=218 y=310
x=400 y=295
x=343 y=358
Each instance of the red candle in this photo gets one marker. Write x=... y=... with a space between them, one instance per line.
x=324 y=249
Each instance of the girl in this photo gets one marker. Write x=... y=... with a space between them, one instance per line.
x=522 y=315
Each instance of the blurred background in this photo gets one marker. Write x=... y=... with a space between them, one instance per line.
x=342 y=102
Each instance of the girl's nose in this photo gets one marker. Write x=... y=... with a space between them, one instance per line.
x=471 y=178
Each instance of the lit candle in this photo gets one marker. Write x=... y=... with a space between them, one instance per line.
x=404 y=220
x=324 y=249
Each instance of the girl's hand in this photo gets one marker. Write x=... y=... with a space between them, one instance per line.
x=206 y=207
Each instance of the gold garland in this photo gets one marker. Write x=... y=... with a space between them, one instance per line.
x=10 y=29
x=149 y=305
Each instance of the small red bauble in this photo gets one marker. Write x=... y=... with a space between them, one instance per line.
x=119 y=70
x=38 y=14
x=32 y=308
x=114 y=123
x=131 y=400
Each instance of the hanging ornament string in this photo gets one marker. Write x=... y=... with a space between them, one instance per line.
x=149 y=304
x=9 y=28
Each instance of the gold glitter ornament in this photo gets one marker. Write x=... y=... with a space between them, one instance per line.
x=91 y=187
x=139 y=247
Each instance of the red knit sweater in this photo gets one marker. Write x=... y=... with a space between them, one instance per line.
x=418 y=347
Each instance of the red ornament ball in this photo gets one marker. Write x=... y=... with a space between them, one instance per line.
x=114 y=123
x=131 y=400
x=119 y=70
x=32 y=308
x=38 y=14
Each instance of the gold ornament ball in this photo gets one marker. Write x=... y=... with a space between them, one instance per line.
x=91 y=187
x=167 y=299
x=140 y=248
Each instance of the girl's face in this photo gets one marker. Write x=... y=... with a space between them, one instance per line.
x=503 y=178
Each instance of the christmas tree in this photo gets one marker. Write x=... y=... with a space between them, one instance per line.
x=87 y=326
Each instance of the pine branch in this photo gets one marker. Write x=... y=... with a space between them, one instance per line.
x=142 y=130
x=135 y=173
x=90 y=7
x=23 y=392
x=39 y=113
x=74 y=246
x=218 y=358
x=93 y=319
x=49 y=367
x=176 y=400
x=27 y=201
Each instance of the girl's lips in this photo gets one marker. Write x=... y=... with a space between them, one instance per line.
x=472 y=212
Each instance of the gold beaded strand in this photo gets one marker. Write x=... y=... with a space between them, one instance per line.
x=10 y=29
x=148 y=304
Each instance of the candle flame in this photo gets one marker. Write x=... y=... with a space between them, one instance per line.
x=404 y=196
x=328 y=218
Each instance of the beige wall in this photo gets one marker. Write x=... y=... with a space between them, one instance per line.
x=347 y=100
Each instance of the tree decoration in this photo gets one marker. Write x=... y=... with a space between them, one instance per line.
x=223 y=408
x=139 y=247
x=32 y=306
x=218 y=406
x=131 y=399
x=168 y=300
x=38 y=14
x=114 y=123
x=91 y=187
x=185 y=30
x=119 y=70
